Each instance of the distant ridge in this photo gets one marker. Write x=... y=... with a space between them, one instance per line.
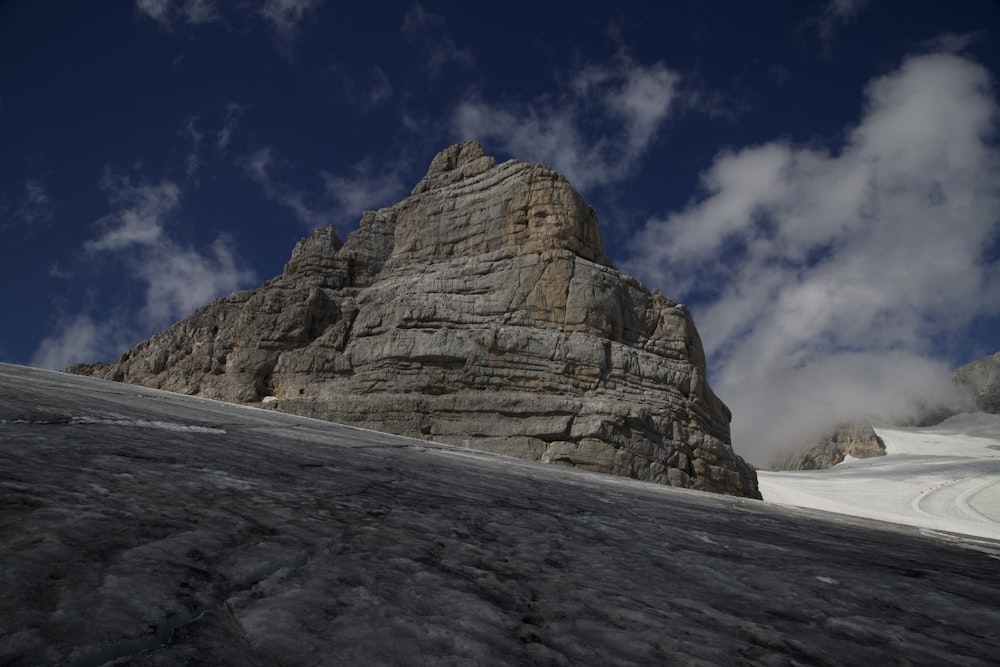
x=479 y=311
x=981 y=380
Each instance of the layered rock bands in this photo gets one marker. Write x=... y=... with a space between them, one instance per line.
x=479 y=311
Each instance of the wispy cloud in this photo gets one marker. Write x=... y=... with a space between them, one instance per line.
x=260 y=166
x=365 y=188
x=193 y=136
x=627 y=103
x=364 y=90
x=80 y=339
x=835 y=14
x=428 y=33
x=139 y=213
x=344 y=197
x=224 y=137
x=954 y=42
x=285 y=17
x=175 y=277
x=168 y=13
x=32 y=207
x=844 y=9
x=826 y=277
x=180 y=278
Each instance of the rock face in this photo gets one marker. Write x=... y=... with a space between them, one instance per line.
x=981 y=379
x=479 y=311
x=854 y=439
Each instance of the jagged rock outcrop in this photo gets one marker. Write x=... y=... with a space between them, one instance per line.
x=981 y=380
x=480 y=311
x=855 y=439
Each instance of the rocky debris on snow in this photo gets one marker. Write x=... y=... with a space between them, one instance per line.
x=480 y=311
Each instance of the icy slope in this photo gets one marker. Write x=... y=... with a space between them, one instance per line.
x=146 y=528
x=944 y=477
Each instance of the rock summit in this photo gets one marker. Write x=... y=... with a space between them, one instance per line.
x=480 y=311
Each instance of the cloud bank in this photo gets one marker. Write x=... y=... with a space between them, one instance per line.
x=826 y=282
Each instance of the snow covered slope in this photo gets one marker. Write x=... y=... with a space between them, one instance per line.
x=944 y=477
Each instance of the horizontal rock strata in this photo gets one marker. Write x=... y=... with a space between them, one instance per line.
x=479 y=311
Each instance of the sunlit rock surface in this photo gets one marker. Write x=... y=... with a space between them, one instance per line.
x=479 y=311
x=150 y=528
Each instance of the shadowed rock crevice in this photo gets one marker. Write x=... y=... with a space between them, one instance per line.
x=482 y=311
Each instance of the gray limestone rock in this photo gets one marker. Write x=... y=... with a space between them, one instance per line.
x=981 y=379
x=856 y=439
x=480 y=311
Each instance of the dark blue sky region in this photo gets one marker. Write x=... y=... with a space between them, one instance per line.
x=816 y=180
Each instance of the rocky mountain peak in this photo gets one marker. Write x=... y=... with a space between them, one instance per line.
x=480 y=311
x=454 y=164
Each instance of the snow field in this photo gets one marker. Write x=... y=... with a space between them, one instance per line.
x=944 y=477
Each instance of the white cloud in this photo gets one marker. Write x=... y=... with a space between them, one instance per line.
x=365 y=90
x=175 y=277
x=260 y=167
x=194 y=136
x=135 y=238
x=158 y=10
x=835 y=14
x=378 y=88
x=224 y=137
x=344 y=197
x=630 y=101
x=847 y=265
x=365 y=189
x=845 y=9
x=954 y=42
x=139 y=216
x=179 y=279
x=169 y=12
x=77 y=340
x=285 y=17
x=33 y=207
x=426 y=32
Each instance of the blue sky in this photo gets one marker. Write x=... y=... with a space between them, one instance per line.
x=818 y=181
